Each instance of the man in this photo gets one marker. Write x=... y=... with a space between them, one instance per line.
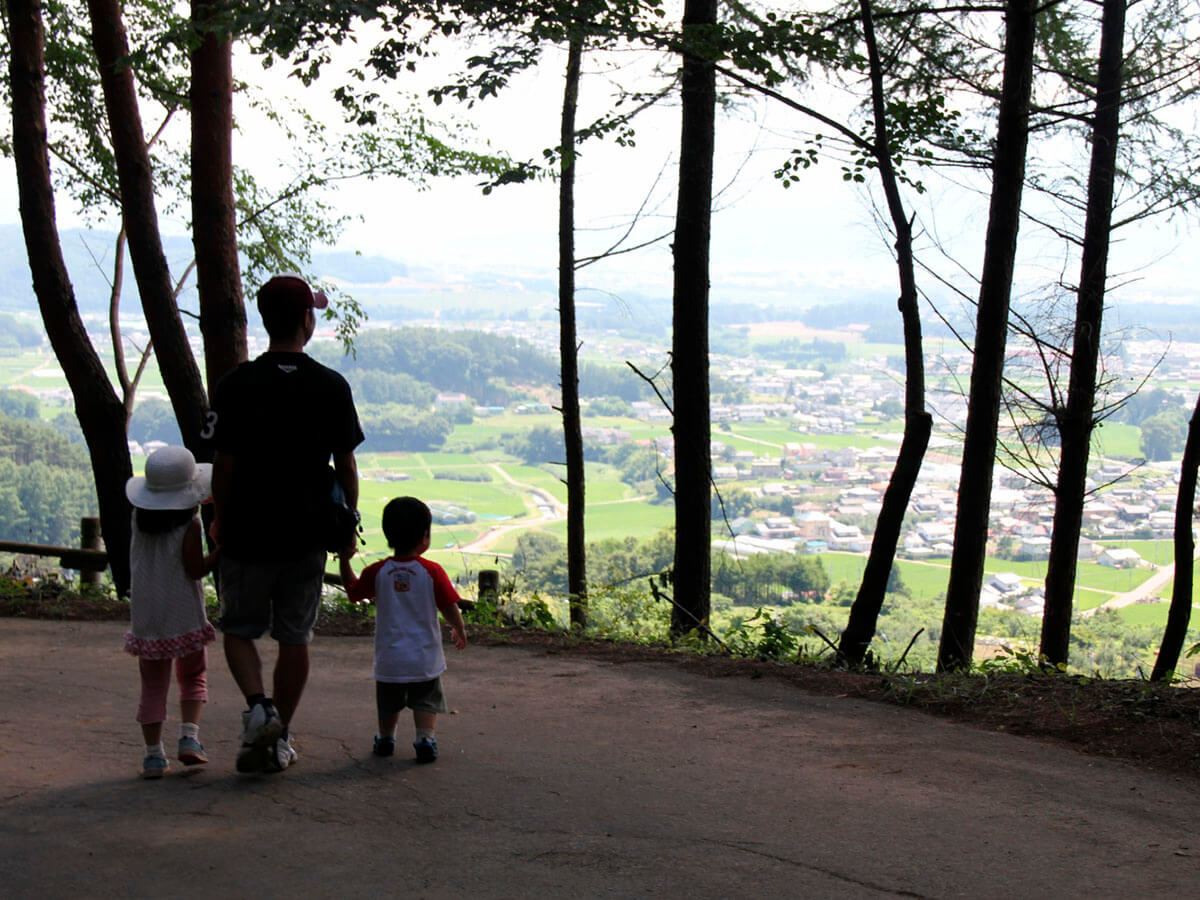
x=275 y=423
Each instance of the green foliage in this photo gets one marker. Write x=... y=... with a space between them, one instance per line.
x=537 y=614
x=1163 y=434
x=608 y=406
x=461 y=360
x=769 y=579
x=510 y=608
x=1016 y=661
x=378 y=386
x=628 y=612
x=19 y=334
x=154 y=420
x=762 y=636
x=45 y=484
x=639 y=466
x=333 y=603
x=538 y=446
x=541 y=560
x=19 y=405
x=731 y=503
x=25 y=441
x=617 y=386
x=1151 y=401
x=485 y=610
x=453 y=475
x=1106 y=645
x=895 y=583
x=392 y=427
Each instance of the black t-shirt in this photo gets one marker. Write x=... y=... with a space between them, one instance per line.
x=281 y=416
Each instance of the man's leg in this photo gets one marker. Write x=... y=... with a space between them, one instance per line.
x=297 y=601
x=291 y=674
x=244 y=664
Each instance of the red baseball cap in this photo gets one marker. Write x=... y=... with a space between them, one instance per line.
x=288 y=287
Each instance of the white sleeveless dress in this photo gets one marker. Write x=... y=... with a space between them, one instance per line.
x=166 y=608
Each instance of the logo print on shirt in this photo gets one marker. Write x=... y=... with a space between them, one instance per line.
x=288 y=369
x=400 y=582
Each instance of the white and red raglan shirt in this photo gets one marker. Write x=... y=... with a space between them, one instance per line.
x=408 y=594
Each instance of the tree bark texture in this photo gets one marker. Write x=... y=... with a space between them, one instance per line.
x=569 y=346
x=991 y=328
x=918 y=424
x=100 y=411
x=1185 y=548
x=214 y=213
x=689 y=342
x=1075 y=423
x=176 y=362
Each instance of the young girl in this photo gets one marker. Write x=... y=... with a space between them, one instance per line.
x=167 y=620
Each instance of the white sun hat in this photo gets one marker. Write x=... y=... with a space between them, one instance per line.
x=174 y=480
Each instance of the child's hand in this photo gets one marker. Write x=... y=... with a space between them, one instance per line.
x=459 y=636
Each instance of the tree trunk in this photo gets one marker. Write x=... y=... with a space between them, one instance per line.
x=100 y=411
x=569 y=346
x=991 y=328
x=175 y=359
x=1185 y=548
x=689 y=344
x=214 y=214
x=1075 y=423
x=918 y=424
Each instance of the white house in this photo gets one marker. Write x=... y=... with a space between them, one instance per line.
x=1119 y=558
x=1005 y=582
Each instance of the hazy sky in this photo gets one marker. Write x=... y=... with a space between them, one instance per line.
x=815 y=240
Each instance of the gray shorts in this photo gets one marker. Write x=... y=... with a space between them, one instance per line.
x=422 y=696
x=282 y=596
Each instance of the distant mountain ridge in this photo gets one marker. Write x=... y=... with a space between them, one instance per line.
x=393 y=290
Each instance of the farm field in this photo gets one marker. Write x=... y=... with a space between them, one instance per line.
x=1153 y=614
x=1120 y=440
x=927 y=578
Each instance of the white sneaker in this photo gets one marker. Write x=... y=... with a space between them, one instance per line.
x=261 y=728
x=283 y=755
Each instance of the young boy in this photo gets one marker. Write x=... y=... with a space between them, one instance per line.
x=408 y=592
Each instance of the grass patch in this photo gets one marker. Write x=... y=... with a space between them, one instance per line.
x=1158 y=552
x=1154 y=614
x=1094 y=575
x=1087 y=599
x=1118 y=440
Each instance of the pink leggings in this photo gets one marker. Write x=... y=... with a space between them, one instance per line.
x=191 y=672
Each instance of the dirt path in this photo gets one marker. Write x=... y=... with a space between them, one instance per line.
x=562 y=775
x=537 y=500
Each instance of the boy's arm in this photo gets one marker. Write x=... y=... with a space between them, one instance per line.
x=362 y=588
x=458 y=628
x=446 y=598
x=347 y=572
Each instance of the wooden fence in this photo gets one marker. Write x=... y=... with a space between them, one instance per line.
x=91 y=561
x=88 y=558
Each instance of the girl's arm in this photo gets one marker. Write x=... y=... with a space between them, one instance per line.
x=195 y=562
